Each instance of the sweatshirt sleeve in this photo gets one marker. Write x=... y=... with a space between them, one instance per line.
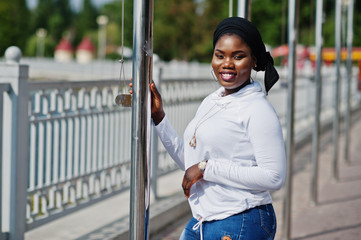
x=265 y=135
x=171 y=141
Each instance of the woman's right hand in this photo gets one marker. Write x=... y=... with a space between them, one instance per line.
x=157 y=111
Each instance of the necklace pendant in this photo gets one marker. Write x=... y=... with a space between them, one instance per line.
x=193 y=141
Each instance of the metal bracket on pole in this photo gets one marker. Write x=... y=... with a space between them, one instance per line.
x=141 y=124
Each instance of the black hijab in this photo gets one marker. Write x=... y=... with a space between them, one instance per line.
x=249 y=33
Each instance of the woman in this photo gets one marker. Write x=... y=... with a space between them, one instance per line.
x=233 y=150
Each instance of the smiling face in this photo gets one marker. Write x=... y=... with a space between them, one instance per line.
x=232 y=62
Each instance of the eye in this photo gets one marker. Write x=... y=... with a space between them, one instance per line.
x=219 y=56
x=238 y=57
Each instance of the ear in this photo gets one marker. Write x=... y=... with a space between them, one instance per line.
x=254 y=59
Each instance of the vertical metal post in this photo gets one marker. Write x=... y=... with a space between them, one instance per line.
x=292 y=41
x=244 y=9
x=318 y=91
x=41 y=35
x=102 y=22
x=16 y=157
x=336 y=119
x=140 y=152
x=349 y=77
x=230 y=10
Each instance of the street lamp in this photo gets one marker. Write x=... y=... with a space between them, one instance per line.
x=40 y=34
x=102 y=21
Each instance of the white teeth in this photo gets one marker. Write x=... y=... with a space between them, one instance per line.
x=227 y=74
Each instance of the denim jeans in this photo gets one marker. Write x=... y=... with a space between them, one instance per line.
x=258 y=223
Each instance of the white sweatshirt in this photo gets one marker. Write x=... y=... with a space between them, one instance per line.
x=241 y=137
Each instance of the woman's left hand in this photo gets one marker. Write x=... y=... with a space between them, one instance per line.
x=191 y=175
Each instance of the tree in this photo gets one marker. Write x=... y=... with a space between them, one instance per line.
x=174 y=21
x=266 y=16
x=209 y=15
x=113 y=11
x=56 y=17
x=14 y=18
x=85 y=21
x=60 y=21
x=41 y=15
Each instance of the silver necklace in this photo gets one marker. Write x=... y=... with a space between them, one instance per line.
x=193 y=141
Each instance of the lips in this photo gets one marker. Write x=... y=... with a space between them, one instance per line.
x=226 y=76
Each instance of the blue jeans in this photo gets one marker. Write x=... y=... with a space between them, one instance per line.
x=256 y=223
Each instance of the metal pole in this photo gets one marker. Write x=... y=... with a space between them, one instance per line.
x=336 y=120
x=292 y=41
x=140 y=152
x=349 y=78
x=230 y=10
x=244 y=9
x=318 y=86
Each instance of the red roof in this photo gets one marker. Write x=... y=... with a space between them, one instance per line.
x=64 y=45
x=86 y=44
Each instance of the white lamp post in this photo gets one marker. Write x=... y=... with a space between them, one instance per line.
x=102 y=22
x=40 y=34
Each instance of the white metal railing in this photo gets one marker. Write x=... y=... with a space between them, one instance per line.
x=79 y=147
x=78 y=142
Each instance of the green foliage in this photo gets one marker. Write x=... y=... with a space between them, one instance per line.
x=14 y=18
x=114 y=12
x=267 y=16
x=31 y=47
x=85 y=21
x=174 y=21
x=53 y=15
x=182 y=29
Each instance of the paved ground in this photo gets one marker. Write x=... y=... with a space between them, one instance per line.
x=337 y=216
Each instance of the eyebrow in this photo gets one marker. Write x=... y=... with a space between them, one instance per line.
x=235 y=52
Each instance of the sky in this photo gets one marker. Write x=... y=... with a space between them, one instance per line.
x=75 y=4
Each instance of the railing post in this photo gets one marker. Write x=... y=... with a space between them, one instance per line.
x=16 y=148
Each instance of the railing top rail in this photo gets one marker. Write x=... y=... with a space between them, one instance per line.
x=43 y=85
x=70 y=84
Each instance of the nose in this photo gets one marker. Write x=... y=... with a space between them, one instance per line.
x=228 y=63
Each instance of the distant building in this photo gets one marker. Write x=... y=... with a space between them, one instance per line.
x=64 y=51
x=85 y=51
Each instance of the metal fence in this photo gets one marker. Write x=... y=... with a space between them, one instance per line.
x=77 y=146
